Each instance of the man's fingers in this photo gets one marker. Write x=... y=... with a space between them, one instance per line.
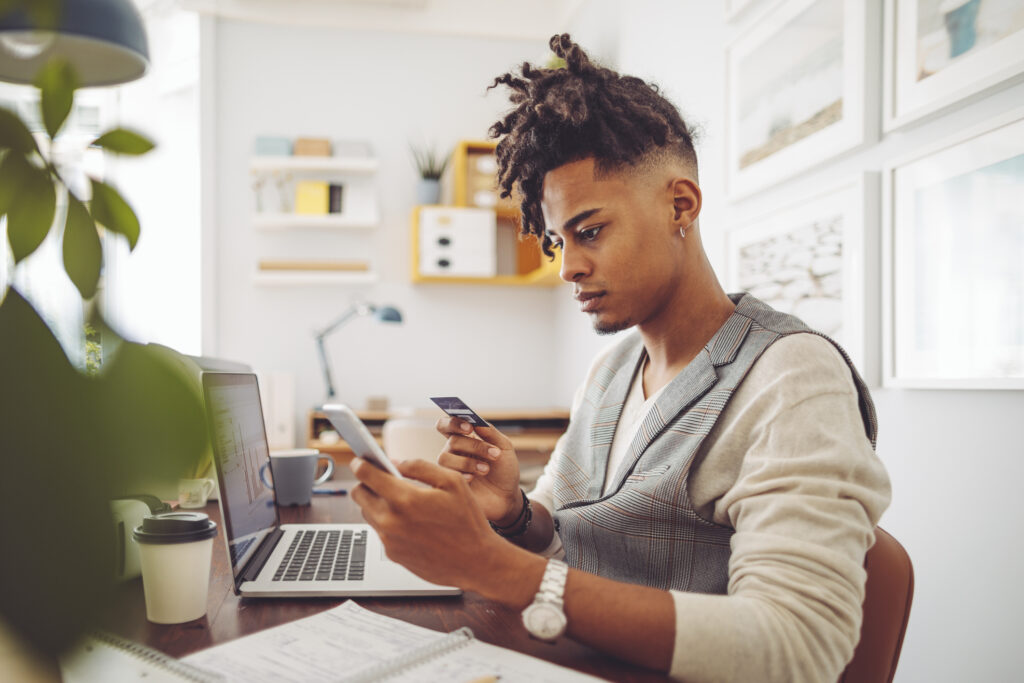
x=461 y=463
x=448 y=425
x=494 y=437
x=427 y=472
x=381 y=482
x=369 y=502
x=472 y=447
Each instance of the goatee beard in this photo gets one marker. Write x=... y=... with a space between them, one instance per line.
x=605 y=328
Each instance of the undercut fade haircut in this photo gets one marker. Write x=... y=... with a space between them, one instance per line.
x=577 y=112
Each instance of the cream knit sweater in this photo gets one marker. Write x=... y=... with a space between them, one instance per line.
x=788 y=466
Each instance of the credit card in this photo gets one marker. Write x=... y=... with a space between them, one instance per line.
x=455 y=407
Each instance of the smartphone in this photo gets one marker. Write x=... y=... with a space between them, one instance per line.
x=456 y=407
x=358 y=437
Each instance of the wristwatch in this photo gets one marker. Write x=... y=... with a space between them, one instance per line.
x=545 y=618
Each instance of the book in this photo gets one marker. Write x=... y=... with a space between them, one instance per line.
x=311 y=197
x=334 y=203
x=105 y=657
x=351 y=644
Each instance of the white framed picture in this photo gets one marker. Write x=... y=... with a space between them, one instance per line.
x=938 y=52
x=816 y=258
x=800 y=89
x=953 y=262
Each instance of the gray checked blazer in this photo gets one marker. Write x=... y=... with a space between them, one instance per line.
x=645 y=530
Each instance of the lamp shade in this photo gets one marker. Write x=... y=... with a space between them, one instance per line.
x=104 y=40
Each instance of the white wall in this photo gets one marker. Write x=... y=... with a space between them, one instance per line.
x=490 y=345
x=153 y=294
x=955 y=457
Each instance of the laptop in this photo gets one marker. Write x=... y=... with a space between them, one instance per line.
x=270 y=559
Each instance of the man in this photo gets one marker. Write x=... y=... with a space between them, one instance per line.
x=717 y=488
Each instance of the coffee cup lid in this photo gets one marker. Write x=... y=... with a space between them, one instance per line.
x=175 y=527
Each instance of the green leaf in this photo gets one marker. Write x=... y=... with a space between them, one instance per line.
x=83 y=254
x=13 y=170
x=56 y=82
x=122 y=141
x=46 y=609
x=151 y=401
x=14 y=134
x=82 y=440
x=30 y=215
x=110 y=209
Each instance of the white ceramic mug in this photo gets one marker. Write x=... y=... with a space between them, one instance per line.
x=192 y=493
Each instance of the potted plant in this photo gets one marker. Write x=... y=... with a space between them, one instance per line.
x=71 y=439
x=430 y=166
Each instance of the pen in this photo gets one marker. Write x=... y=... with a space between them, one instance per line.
x=331 y=492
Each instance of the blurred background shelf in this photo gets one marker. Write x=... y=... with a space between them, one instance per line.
x=305 y=277
x=286 y=221
x=313 y=164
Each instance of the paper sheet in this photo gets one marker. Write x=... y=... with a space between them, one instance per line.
x=329 y=646
x=346 y=641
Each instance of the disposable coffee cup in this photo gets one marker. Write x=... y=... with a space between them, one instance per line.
x=175 y=549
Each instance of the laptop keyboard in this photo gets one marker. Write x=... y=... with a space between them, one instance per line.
x=324 y=556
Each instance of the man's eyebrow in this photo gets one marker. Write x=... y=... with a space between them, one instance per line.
x=578 y=218
x=574 y=221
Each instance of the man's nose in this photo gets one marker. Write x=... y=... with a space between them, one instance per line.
x=574 y=265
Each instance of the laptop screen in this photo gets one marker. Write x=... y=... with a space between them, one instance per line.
x=240 y=449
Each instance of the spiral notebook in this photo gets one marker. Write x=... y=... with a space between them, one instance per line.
x=351 y=644
x=112 y=659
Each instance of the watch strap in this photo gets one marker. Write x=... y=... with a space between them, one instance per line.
x=552 y=585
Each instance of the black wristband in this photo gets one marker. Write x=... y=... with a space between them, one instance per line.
x=521 y=523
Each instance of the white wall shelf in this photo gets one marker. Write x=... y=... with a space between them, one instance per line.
x=336 y=221
x=300 y=278
x=348 y=165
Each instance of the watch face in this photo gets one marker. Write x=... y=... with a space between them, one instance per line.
x=544 y=621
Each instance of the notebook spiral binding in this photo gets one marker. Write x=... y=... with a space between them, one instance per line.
x=156 y=658
x=452 y=641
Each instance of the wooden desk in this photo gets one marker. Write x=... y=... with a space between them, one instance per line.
x=229 y=616
x=534 y=432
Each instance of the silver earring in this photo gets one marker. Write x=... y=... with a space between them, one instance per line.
x=682 y=232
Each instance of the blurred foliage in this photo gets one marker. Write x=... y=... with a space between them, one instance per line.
x=70 y=439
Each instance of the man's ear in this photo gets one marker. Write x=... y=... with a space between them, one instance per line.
x=686 y=201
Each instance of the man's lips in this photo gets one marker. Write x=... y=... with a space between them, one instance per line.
x=588 y=300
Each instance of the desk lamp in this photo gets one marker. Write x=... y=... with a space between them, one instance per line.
x=104 y=40
x=384 y=314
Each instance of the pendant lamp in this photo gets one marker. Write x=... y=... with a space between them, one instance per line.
x=104 y=40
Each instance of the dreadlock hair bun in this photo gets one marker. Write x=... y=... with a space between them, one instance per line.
x=579 y=112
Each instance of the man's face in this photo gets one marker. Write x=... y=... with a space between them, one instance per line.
x=617 y=236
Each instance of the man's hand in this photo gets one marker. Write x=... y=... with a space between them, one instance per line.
x=438 y=532
x=489 y=464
